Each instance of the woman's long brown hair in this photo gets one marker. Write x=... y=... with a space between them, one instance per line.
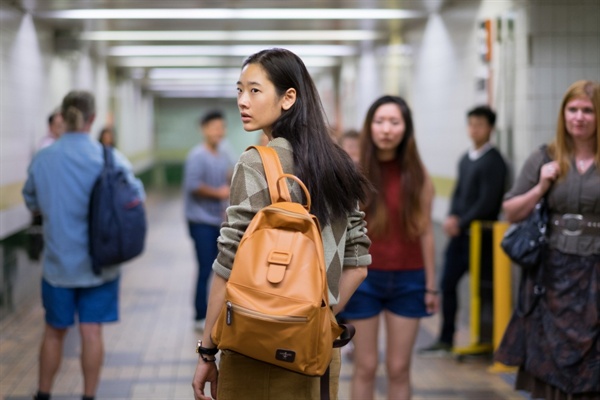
x=411 y=169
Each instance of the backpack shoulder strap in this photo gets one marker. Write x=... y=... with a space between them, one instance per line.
x=109 y=161
x=278 y=189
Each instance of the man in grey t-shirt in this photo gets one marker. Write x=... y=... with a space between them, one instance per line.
x=206 y=188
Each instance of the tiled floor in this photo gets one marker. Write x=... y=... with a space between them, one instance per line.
x=150 y=353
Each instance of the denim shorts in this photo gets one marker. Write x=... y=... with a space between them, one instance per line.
x=97 y=304
x=400 y=292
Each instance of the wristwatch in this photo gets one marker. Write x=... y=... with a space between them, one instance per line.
x=204 y=351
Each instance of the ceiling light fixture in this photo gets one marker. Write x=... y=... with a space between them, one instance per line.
x=188 y=87
x=176 y=62
x=240 y=51
x=196 y=94
x=237 y=36
x=194 y=73
x=157 y=61
x=234 y=13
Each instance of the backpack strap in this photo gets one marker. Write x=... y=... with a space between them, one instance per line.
x=109 y=161
x=273 y=171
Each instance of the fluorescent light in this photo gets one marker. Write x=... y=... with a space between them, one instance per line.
x=241 y=50
x=176 y=62
x=157 y=61
x=229 y=90
x=198 y=94
x=237 y=36
x=195 y=82
x=234 y=13
x=230 y=74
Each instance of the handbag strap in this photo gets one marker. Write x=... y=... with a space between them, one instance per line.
x=538 y=289
x=325 y=385
x=546 y=159
x=347 y=334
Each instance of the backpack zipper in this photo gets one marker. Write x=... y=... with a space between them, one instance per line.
x=256 y=314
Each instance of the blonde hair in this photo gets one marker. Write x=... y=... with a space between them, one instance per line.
x=562 y=146
x=78 y=107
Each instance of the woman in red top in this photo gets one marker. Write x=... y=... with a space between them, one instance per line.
x=401 y=280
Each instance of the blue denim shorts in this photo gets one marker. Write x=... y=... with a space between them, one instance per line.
x=97 y=304
x=400 y=292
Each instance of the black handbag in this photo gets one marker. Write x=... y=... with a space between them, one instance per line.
x=524 y=242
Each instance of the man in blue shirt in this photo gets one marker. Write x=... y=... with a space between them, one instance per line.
x=58 y=187
x=207 y=177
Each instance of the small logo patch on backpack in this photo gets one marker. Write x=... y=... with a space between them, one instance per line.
x=285 y=355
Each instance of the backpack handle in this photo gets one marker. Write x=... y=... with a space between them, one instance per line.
x=274 y=174
x=299 y=182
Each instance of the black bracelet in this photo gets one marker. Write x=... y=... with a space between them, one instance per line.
x=208 y=360
x=431 y=291
x=205 y=350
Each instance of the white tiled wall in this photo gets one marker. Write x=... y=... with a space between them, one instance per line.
x=564 y=40
x=445 y=68
x=555 y=43
x=134 y=121
x=24 y=105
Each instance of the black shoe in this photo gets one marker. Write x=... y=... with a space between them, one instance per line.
x=41 y=396
x=435 y=350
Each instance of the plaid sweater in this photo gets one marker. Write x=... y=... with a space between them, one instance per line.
x=345 y=241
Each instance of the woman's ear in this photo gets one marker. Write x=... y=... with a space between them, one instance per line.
x=289 y=98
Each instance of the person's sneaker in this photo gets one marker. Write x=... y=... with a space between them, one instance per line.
x=436 y=349
x=199 y=325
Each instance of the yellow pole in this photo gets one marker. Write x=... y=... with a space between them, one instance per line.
x=475 y=347
x=502 y=292
x=475 y=280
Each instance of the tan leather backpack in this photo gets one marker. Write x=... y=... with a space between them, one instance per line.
x=276 y=300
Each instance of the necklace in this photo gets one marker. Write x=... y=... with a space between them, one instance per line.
x=583 y=164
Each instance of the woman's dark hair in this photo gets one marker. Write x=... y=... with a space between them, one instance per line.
x=334 y=183
x=411 y=169
x=105 y=131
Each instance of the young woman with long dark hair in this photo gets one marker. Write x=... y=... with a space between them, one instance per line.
x=277 y=95
x=401 y=282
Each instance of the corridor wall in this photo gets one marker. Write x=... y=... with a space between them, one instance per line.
x=538 y=49
x=34 y=81
x=34 y=77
